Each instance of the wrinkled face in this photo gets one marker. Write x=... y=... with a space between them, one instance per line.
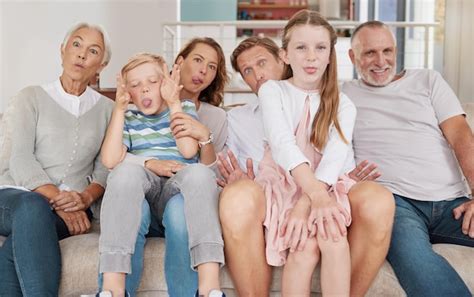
x=308 y=54
x=199 y=68
x=83 y=54
x=257 y=65
x=374 y=55
x=143 y=83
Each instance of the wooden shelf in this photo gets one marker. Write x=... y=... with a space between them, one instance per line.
x=270 y=6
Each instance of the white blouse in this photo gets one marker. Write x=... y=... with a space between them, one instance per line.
x=282 y=106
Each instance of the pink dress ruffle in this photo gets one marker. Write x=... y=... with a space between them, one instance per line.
x=281 y=191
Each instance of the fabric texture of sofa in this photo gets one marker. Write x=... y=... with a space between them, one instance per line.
x=80 y=257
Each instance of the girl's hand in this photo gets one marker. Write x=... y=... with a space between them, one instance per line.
x=122 y=97
x=170 y=87
x=164 y=167
x=294 y=227
x=184 y=125
x=327 y=217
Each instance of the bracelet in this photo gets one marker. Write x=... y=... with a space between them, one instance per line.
x=210 y=140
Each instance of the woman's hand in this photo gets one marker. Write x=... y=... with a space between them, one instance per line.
x=122 y=97
x=164 y=167
x=327 y=217
x=71 y=201
x=77 y=222
x=294 y=227
x=184 y=125
x=170 y=87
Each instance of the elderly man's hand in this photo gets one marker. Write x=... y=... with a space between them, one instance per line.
x=77 y=222
x=467 y=208
x=232 y=172
x=364 y=171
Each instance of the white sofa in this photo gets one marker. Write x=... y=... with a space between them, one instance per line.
x=80 y=257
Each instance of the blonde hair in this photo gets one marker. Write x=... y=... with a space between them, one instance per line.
x=329 y=91
x=214 y=93
x=140 y=59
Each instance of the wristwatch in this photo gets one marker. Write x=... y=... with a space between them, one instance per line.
x=210 y=140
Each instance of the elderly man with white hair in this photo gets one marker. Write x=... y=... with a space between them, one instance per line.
x=412 y=125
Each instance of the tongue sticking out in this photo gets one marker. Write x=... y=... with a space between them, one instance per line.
x=146 y=103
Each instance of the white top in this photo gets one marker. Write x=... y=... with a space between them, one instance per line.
x=246 y=135
x=398 y=128
x=282 y=106
x=75 y=105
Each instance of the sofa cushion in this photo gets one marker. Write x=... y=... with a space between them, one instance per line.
x=80 y=259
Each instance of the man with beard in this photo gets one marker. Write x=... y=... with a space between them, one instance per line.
x=413 y=127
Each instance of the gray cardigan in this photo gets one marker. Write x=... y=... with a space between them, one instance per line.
x=45 y=144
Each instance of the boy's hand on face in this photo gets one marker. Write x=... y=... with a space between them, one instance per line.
x=170 y=87
x=122 y=97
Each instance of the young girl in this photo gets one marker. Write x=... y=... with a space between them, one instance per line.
x=308 y=126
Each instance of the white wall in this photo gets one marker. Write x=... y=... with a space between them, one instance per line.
x=459 y=48
x=31 y=33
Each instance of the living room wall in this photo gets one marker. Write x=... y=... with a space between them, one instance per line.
x=31 y=33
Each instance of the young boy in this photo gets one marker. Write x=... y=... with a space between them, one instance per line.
x=144 y=132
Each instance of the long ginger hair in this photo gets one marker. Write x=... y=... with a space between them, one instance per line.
x=329 y=90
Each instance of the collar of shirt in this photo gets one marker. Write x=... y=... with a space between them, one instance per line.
x=76 y=105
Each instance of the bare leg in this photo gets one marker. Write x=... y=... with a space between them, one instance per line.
x=115 y=283
x=208 y=274
x=298 y=270
x=372 y=208
x=242 y=212
x=335 y=267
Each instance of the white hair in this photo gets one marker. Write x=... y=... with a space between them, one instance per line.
x=98 y=28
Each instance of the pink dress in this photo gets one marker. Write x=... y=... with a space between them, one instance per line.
x=281 y=191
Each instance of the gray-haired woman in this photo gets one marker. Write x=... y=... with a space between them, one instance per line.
x=50 y=172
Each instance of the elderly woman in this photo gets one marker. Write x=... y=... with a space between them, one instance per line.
x=49 y=165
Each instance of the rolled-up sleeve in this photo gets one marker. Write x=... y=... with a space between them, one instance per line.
x=278 y=129
x=336 y=151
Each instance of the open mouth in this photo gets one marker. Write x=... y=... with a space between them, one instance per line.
x=146 y=102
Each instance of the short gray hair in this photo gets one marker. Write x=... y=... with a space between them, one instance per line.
x=98 y=28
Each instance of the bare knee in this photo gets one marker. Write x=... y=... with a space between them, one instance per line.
x=242 y=205
x=373 y=208
x=308 y=257
x=333 y=249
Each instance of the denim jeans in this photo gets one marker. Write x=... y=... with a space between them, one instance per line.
x=180 y=278
x=132 y=280
x=417 y=225
x=30 y=259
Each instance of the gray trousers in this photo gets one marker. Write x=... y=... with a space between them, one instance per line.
x=128 y=184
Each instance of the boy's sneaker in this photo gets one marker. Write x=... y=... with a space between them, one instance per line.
x=212 y=293
x=104 y=294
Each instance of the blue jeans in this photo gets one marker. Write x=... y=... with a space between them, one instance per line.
x=180 y=278
x=132 y=281
x=30 y=259
x=417 y=225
